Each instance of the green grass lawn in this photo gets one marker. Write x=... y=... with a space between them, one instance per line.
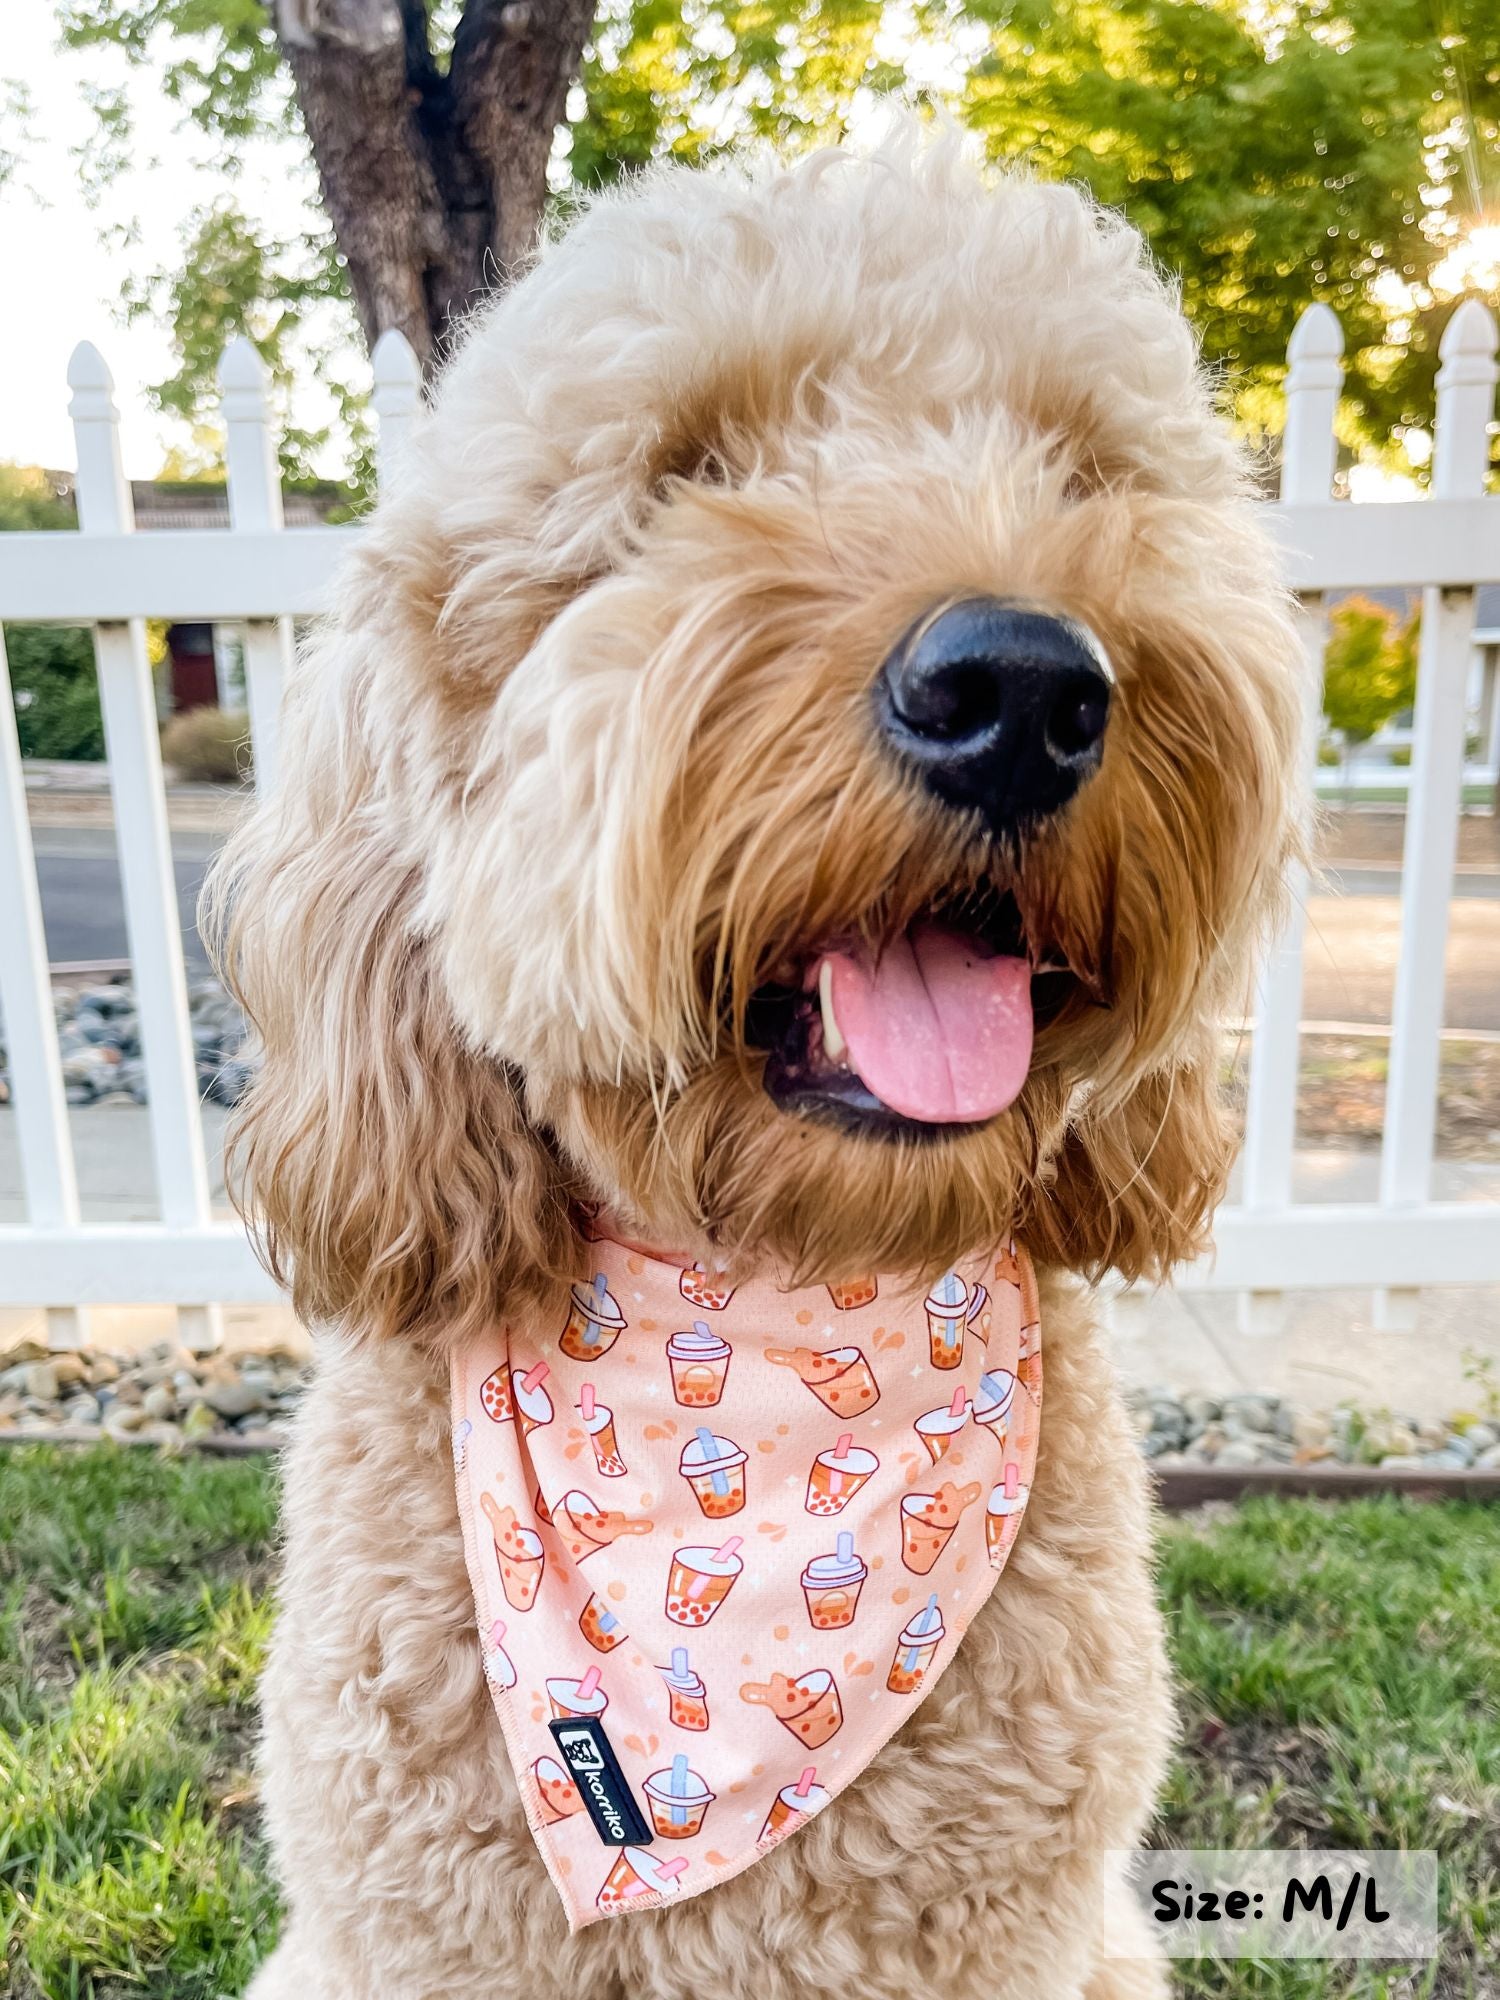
x=1341 y=1688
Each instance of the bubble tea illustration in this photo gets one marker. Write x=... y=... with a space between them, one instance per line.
x=793 y=1804
x=928 y=1521
x=599 y=1426
x=1002 y=1515
x=586 y=1527
x=687 y=1695
x=495 y=1397
x=854 y=1294
x=994 y=1401
x=915 y=1648
x=700 y=1579
x=560 y=1797
x=678 y=1799
x=706 y=1290
x=951 y=1309
x=699 y=1362
x=594 y=1322
x=808 y=1705
x=533 y=1404
x=518 y=1551
x=499 y=1668
x=600 y=1626
x=831 y=1586
x=841 y=1378
x=573 y=1700
x=1029 y=1361
x=714 y=1467
x=938 y=1428
x=837 y=1475
x=639 y=1873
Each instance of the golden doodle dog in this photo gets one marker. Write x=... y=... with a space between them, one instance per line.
x=799 y=765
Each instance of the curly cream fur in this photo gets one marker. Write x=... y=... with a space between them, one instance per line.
x=582 y=759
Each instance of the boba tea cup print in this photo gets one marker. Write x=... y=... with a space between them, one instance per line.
x=698 y=1545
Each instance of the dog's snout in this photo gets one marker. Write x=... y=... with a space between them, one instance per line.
x=1001 y=708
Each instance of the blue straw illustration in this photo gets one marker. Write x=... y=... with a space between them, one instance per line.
x=679 y=1663
x=846 y=1548
x=601 y=1291
x=708 y=1445
x=700 y=1327
x=925 y=1621
x=679 y=1786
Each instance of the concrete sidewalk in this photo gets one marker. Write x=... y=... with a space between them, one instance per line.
x=1326 y=1351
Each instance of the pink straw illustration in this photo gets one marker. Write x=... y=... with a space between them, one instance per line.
x=956 y=1407
x=667 y=1868
x=589 y=1682
x=1012 y=1480
x=840 y=1450
x=497 y=1631
x=534 y=1377
x=805 y=1783
x=586 y=1402
x=701 y=1581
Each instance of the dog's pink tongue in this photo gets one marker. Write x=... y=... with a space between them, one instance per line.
x=936 y=1030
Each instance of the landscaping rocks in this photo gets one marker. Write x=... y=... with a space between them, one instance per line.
x=162 y=1396
x=99 y=1044
x=1257 y=1427
x=166 y=1397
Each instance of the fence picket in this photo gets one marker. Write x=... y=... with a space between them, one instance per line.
x=1308 y=454
x=46 y=1146
x=127 y=699
x=254 y=481
x=262 y=574
x=1460 y=462
x=396 y=399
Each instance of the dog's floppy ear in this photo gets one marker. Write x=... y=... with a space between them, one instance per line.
x=1135 y=1183
x=388 y=1169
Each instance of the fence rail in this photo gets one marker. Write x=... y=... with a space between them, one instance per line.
x=261 y=575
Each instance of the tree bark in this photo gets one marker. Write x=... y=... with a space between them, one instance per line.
x=434 y=180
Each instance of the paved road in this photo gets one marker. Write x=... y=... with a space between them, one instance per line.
x=1351 y=940
x=82 y=908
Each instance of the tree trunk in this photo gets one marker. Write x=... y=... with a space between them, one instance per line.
x=434 y=180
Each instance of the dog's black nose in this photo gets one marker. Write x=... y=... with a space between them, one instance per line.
x=1001 y=709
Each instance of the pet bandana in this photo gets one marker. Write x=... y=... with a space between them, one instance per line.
x=723 y=1541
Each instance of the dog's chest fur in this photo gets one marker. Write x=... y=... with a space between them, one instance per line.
x=392 y=1800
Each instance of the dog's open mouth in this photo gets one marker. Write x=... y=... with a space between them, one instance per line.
x=929 y=1033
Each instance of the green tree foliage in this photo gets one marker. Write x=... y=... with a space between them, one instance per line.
x=51 y=666
x=1272 y=151
x=1271 y=155
x=681 y=79
x=1369 y=667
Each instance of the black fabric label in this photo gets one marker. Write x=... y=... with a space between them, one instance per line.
x=595 y=1769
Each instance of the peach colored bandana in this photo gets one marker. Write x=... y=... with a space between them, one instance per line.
x=723 y=1541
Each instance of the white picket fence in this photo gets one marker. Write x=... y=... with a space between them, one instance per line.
x=260 y=575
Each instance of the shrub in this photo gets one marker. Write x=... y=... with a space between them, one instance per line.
x=211 y=744
x=1369 y=669
x=56 y=694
